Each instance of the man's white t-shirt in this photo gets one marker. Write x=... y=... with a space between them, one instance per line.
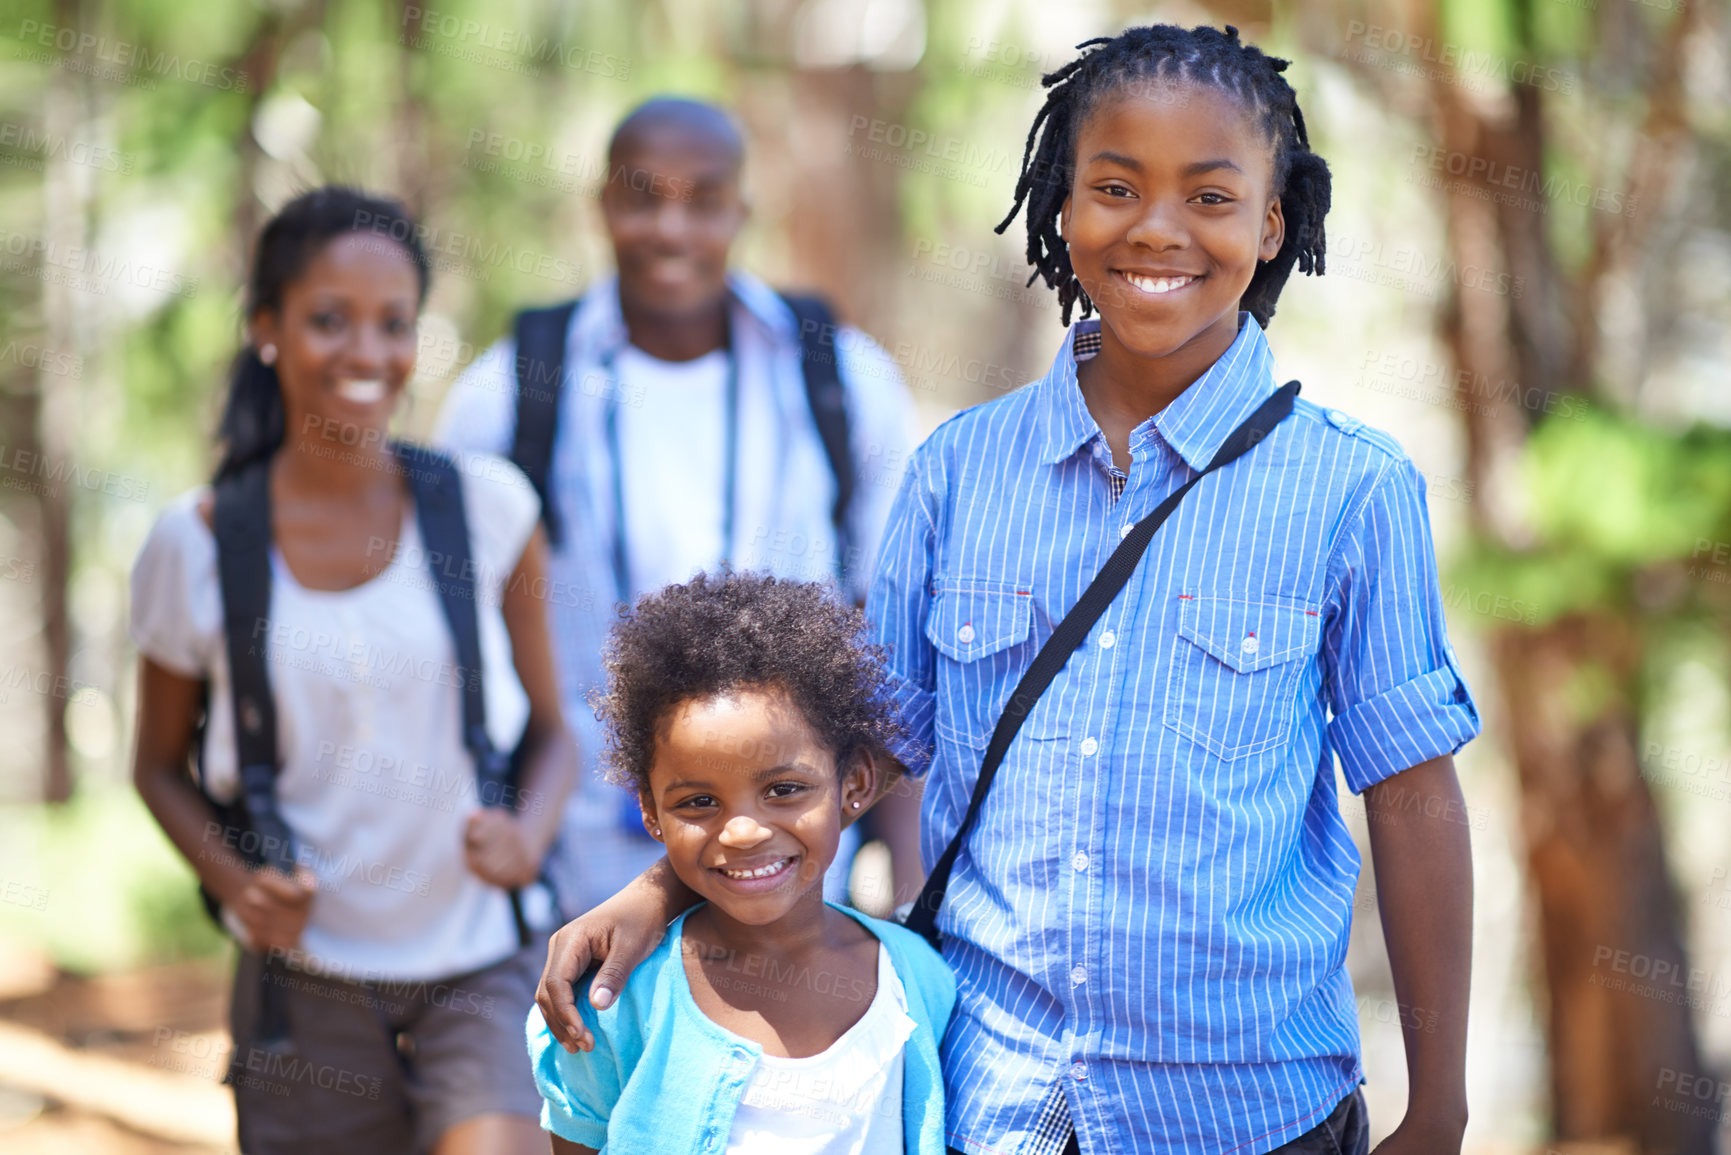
x=672 y=442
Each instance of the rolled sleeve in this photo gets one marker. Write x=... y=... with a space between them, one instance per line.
x=896 y=609
x=1393 y=684
x=577 y=1091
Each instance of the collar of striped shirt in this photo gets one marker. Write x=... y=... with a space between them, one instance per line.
x=1195 y=424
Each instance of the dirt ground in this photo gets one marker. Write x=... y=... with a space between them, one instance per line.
x=122 y=1064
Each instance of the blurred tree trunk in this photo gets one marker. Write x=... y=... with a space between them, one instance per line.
x=1594 y=844
x=51 y=412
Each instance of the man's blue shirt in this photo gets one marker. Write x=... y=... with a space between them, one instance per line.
x=1153 y=910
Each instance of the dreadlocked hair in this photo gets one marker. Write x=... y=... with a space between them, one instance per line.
x=1164 y=52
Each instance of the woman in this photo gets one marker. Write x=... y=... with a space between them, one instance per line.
x=383 y=977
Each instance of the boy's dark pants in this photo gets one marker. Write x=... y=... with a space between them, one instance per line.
x=1346 y=1131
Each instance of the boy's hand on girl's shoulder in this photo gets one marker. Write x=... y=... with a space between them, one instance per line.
x=497 y=850
x=274 y=907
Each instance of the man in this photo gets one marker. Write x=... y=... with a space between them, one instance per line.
x=682 y=438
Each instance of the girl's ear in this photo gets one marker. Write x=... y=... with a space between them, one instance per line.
x=651 y=824
x=859 y=786
x=1064 y=220
x=1273 y=232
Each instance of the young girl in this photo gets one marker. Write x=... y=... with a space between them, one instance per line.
x=1149 y=919
x=390 y=957
x=743 y=711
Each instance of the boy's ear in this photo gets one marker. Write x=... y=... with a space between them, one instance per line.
x=651 y=824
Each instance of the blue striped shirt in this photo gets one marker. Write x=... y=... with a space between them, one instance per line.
x=1154 y=908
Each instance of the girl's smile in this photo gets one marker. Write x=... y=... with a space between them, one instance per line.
x=1169 y=212
x=748 y=802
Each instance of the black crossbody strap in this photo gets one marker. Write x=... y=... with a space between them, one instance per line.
x=438 y=490
x=240 y=521
x=1071 y=632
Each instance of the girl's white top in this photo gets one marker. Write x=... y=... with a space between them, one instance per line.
x=375 y=781
x=845 y=1100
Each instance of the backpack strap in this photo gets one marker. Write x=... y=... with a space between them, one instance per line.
x=540 y=337
x=438 y=489
x=828 y=401
x=1069 y=634
x=241 y=524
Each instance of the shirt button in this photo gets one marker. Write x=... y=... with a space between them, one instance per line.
x=1089 y=746
x=1108 y=640
x=1079 y=860
x=1079 y=1072
x=1125 y=532
x=1078 y=975
x=1250 y=645
x=965 y=634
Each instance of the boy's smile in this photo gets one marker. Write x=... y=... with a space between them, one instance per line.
x=1169 y=212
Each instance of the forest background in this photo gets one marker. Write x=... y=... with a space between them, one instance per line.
x=1528 y=284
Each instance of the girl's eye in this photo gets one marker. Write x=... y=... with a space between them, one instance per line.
x=1116 y=190
x=328 y=322
x=786 y=789
x=1213 y=199
x=396 y=326
x=697 y=802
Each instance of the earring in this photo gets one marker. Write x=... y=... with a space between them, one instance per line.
x=856 y=805
x=267 y=354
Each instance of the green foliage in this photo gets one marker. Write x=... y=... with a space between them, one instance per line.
x=1615 y=505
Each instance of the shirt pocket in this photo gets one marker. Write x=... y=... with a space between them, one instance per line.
x=982 y=631
x=1235 y=670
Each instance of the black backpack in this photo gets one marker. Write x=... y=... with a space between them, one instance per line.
x=252 y=824
x=540 y=335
